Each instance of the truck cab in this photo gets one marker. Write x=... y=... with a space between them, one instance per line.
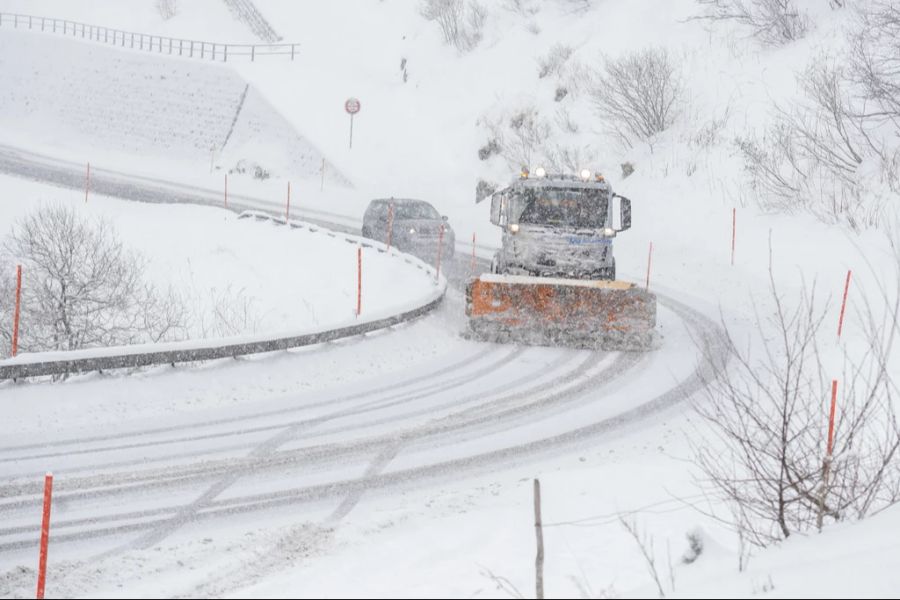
x=558 y=226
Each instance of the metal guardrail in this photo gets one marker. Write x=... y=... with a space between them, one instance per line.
x=203 y=351
x=146 y=42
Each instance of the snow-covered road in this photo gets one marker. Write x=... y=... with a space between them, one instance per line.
x=453 y=409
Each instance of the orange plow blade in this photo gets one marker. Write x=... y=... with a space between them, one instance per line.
x=612 y=315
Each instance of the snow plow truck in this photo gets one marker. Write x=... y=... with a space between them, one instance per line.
x=553 y=280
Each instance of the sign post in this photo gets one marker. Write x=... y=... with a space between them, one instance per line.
x=352 y=107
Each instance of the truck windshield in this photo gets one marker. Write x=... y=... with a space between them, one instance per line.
x=570 y=207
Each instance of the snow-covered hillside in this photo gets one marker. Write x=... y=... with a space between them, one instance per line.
x=435 y=121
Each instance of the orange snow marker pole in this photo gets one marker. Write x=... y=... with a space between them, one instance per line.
x=649 y=259
x=834 y=385
x=844 y=303
x=45 y=535
x=390 y=231
x=359 y=281
x=826 y=464
x=15 y=336
x=440 y=248
x=87 y=183
x=287 y=212
x=472 y=269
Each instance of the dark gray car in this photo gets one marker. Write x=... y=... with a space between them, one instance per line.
x=414 y=226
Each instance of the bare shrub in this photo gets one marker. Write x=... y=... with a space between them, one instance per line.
x=775 y=169
x=638 y=95
x=826 y=130
x=555 y=60
x=695 y=547
x=226 y=312
x=461 y=23
x=876 y=60
x=811 y=156
x=771 y=21
x=645 y=544
x=490 y=148
x=81 y=287
x=167 y=8
x=768 y=417
x=521 y=137
x=525 y=8
x=565 y=122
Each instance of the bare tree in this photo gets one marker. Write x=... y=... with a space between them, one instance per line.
x=771 y=21
x=768 y=417
x=461 y=24
x=638 y=94
x=82 y=288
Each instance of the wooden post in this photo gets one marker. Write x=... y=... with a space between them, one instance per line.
x=472 y=268
x=539 y=533
x=390 y=231
x=15 y=336
x=844 y=304
x=287 y=213
x=45 y=535
x=649 y=261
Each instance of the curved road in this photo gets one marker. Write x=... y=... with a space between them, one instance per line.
x=479 y=407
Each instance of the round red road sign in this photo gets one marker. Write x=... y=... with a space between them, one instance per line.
x=352 y=106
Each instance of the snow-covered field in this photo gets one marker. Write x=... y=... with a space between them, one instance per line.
x=400 y=465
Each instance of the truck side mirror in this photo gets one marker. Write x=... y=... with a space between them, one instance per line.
x=625 y=209
x=496 y=208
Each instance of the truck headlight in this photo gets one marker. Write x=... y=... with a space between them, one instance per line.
x=412 y=229
x=514 y=228
x=609 y=232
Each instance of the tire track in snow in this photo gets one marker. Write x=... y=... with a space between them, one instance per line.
x=703 y=329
